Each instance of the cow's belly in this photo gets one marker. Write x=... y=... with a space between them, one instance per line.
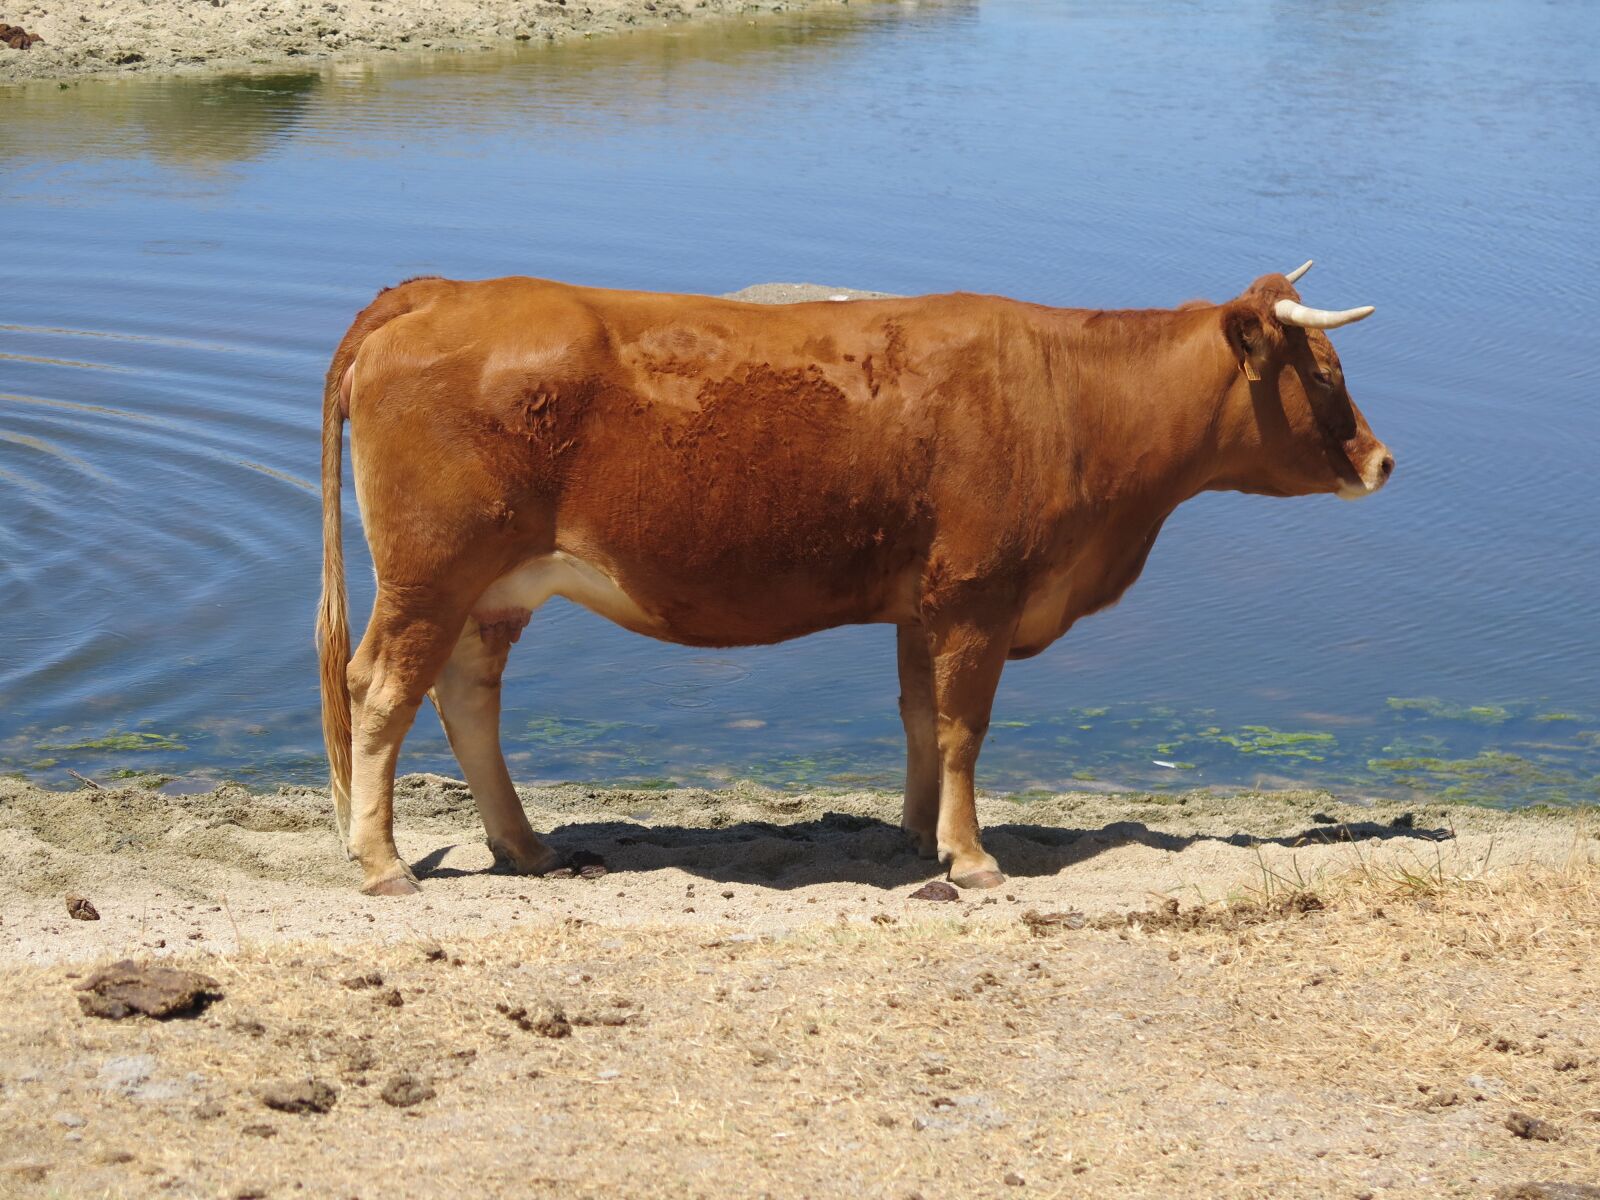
x=697 y=613
x=526 y=588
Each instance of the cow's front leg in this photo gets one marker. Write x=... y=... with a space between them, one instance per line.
x=467 y=696
x=967 y=660
x=920 y=816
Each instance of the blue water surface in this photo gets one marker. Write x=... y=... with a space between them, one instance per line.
x=185 y=252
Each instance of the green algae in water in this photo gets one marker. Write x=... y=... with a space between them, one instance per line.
x=119 y=741
x=1490 y=776
x=1260 y=740
x=1441 y=710
x=568 y=732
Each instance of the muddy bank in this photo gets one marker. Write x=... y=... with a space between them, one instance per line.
x=81 y=37
x=749 y=1001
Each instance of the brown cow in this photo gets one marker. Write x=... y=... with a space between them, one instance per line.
x=978 y=472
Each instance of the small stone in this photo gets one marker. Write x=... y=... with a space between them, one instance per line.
x=1532 y=1128
x=370 y=980
x=1013 y=1179
x=392 y=998
x=302 y=1096
x=547 y=1020
x=79 y=908
x=260 y=1131
x=405 y=1090
x=71 y=1120
x=1044 y=924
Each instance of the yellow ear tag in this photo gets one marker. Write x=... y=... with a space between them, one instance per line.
x=1250 y=371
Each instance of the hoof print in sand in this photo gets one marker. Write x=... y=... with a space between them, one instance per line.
x=126 y=988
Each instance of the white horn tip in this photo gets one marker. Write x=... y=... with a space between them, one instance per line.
x=1294 y=275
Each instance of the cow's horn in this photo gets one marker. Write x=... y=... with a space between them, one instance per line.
x=1291 y=313
x=1294 y=275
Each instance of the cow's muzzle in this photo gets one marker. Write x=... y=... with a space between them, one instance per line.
x=1375 y=473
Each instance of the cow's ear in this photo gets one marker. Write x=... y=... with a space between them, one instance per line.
x=1254 y=336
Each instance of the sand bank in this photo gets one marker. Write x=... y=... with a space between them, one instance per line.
x=82 y=37
x=1346 y=1002
x=227 y=868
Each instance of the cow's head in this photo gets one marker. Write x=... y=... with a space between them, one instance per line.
x=1293 y=424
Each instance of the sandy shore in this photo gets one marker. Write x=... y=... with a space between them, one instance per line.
x=93 y=36
x=226 y=869
x=1309 y=1000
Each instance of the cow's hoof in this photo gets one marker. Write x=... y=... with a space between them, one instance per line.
x=398 y=885
x=978 y=879
x=536 y=861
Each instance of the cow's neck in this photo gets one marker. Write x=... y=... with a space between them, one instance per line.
x=1145 y=406
x=1142 y=397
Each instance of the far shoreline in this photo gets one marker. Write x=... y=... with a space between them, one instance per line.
x=85 y=40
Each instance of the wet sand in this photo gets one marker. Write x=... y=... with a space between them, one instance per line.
x=83 y=37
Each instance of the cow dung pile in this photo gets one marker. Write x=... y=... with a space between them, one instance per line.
x=18 y=38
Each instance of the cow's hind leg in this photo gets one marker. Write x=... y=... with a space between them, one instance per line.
x=920 y=816
x=467 y=696
x=406 y=644
x=967 y=661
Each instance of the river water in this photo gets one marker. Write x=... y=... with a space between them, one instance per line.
x=183 y=253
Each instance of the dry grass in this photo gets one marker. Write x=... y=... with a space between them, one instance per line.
x=1366 y=1031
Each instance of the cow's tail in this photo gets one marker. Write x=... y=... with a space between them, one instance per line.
x=333 y=617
